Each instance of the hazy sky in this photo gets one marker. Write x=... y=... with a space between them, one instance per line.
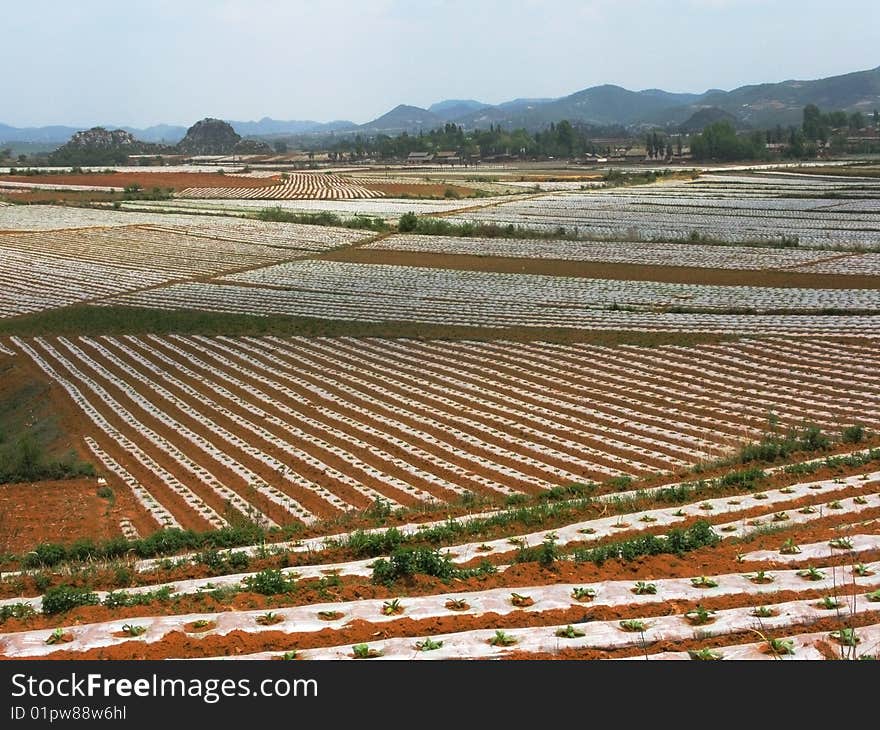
x=84 y=62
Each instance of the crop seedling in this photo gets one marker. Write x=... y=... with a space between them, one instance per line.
x=704 y=582
x=706 y=506
x=808 y=510
x=642 y=588
x=587 y=531
x=392 y=608
x=860 y=500
x=811 y=573
x=781 y=646
x=846 y=636
x=484 y=548
x=269 y=618
x=289 y=655
x=521 y=601
x=862 y=570
x=841 y=543
x=760 y=495
x=728 y=528
x=835 y=505
x=363 y=651
x=787 y=490
x=705 y=654
x=620 y=524
x=502 y=639
x=632 y=624
x=679 y=513
x=763 y=612
x=569 y=632
x=330 y=615
x=201 y=623
x=762 y=576
x=583 y=594
x=700 y=616
x=647 y=518
x=133 y=630
x=874 y=596
x=428 y=644
x=457 y=604
x=829 y=602
x=780 y=517
x=58 y=636
x=789 y=547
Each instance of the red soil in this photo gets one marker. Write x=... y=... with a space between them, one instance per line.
x=147 y=180
x=417 y=190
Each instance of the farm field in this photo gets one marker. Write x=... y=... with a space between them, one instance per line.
x=691 y=255
x=660 y=440
x=42 y=269
x=757 y=208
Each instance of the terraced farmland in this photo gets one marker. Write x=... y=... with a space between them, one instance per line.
x=296 y=186
x=46 y=269
x=304 y=429
x=712 y=582
x=750 y=258
x=379 y=293
x=567 y=462
x=731 y=209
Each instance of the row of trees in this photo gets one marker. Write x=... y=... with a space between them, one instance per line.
x=561 y=139
x=818 y=130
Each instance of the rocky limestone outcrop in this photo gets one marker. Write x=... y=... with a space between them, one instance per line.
x=100 y=138
x=209 y=137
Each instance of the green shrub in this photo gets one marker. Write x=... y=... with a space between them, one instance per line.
x=64 y=597
x=269 y=582
x=406 y=562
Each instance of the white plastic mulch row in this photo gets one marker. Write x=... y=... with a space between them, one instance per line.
x=305 y=619
x=620 y=373
x=409 y=362
x=695 y=371
x=685 y=440
x=644 y=253
x=194 y=443
x=337 y=425
x=528 y=450
x=389 y=208
x=609 y=636
x=476 y=450
x=803 y=648
x=723 y=207
x=173 y=402
x=164 y=477
x=162 y=516
x=363 y=470
x=588 y=531
x=534 y=291
x=527 y=454
x=43 y=269
x=297 y=186
x=376 y=293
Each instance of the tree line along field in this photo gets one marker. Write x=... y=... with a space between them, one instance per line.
x=561 y=464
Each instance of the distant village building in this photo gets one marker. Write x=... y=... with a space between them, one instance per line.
x=447 y=157
x=419 y=158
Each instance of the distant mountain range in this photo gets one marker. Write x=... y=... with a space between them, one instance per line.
x=761 y=105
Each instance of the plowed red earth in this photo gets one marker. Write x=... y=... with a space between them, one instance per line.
x=61 y=511
x=147 y=180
